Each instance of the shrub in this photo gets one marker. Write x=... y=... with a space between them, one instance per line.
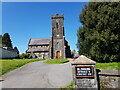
x=24 y=55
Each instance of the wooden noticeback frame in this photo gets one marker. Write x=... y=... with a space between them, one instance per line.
x=85 y=67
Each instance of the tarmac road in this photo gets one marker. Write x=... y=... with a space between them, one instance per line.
x=39 y=75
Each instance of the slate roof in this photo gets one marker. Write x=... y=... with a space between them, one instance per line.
x=37 y=50
x=41 y=41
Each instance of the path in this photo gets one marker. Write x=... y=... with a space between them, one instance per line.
x=39 y=75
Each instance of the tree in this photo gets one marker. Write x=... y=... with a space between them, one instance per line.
x=15 y=48
x=99 y=36
x=24 y=56
x=73 y=53
x=6 y=41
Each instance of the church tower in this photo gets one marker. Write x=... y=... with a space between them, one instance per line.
x=58 y=38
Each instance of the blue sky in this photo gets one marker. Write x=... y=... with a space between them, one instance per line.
x=25 y=20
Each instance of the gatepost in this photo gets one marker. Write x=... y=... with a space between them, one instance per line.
x=84 y=73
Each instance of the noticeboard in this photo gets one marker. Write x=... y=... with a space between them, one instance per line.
x=84 y=71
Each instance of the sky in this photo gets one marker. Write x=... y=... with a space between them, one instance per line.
x=25 y=20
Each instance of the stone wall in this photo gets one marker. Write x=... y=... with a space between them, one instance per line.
x=8 y=53
x=109 y=79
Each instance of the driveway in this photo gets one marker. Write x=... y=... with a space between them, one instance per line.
x=39 y=75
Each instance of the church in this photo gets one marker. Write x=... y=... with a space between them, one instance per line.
x=54 y=47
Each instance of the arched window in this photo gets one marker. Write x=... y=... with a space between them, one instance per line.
x=57 y=25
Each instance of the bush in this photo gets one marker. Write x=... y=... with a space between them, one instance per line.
x=24 y=55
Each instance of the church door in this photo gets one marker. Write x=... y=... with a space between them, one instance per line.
x=58 y=54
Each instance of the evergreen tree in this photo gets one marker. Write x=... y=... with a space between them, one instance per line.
x=6 y=41
x=99 y=36
x=15 y=48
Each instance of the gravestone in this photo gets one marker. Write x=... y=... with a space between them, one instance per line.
x=84 y=73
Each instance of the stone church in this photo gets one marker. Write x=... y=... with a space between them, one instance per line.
x=55 y=47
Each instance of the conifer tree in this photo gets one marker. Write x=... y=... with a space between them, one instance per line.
x=99 y=36
x=15 y=48
x=6 y=41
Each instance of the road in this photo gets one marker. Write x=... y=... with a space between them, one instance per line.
x=39 y=75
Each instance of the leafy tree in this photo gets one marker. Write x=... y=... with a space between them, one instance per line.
x=73 y=53
x=99 y=36
x=6 y=41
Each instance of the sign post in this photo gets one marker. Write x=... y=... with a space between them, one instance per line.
x=84 y=73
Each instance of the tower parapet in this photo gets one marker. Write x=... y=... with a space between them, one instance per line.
x=57 y=16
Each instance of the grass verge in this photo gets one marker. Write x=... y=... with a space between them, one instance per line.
x=109 y=66
x=71 y=85
x=56 y=61
x=7 y=65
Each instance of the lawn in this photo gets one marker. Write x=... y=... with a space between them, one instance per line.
x=109 y=66
x=7 y=65
x=56 y=61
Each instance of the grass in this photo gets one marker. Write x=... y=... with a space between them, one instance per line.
x=71 y=85
x=109 y=66
x=7 y=65
x=56 y=61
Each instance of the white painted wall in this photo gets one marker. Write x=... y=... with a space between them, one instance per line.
x=4 y=53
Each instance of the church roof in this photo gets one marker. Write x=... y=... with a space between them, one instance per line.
x=37 y=50
x=40 y=41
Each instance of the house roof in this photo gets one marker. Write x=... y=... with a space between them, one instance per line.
x=40 y=41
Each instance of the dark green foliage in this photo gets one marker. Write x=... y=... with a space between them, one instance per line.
x=6 y=41
x=24 y=55
x=15 y=48
x=99 y=36
x=73 y=53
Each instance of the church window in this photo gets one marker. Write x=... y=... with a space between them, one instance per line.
x=57 y=25
x=40 y=55
x=45 y=54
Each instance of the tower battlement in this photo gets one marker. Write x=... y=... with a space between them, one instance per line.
x=57 y=16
